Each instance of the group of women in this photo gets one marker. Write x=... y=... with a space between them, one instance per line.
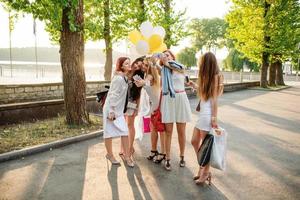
x=160 y=81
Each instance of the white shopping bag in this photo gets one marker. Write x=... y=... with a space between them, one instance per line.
x=218 y=154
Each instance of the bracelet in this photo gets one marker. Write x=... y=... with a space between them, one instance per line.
x=214 y=118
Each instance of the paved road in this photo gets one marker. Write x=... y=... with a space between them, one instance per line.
x=263 y=160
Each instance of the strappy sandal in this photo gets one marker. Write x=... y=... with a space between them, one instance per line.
x=204 y=178
x=167 y=165
x=159 y=160
x=152 y=155
x=182 y=162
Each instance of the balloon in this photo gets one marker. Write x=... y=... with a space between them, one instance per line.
x=155 y=41
x=159 y=30
x=160 y=49
x=142 y=47
x=134 y=36
x=146 y=29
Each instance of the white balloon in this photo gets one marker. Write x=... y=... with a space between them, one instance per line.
x=142 y=47
x=146 y=29
x=159 y=30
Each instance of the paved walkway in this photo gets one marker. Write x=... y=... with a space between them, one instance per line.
x=263 y=160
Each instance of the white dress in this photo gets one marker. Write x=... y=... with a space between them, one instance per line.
x=116 y=98
x=176 y=109
x=204 y=117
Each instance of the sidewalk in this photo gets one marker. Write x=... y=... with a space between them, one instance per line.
x=263 y=160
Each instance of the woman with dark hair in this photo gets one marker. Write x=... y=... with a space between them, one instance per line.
x=209 y=87
x=114 y=124
x=134 y=93
x=175 y=106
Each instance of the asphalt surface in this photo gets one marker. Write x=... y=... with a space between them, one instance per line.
x=263 y=160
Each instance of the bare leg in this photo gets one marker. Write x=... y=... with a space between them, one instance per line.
x=168 y=139
x=125 y=143
x=154 y=138
x=131 y=133
x=162 y=142
x=196 y=138
x=108 y=146
x=181 y=137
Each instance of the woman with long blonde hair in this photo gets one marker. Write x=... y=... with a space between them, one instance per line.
x=209 y=88
x=151 y=84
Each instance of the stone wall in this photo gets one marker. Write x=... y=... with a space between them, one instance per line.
x=39 y=92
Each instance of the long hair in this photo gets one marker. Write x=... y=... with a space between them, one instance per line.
x=208 y=69
x=170 y=52
x=152 y=70
x=120 y=62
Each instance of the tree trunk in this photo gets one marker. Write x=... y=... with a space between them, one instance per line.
x=72 y=59
x=167 y=9
x=142 y=14
x=265 y=54
x=264 y=70
x=108 y=43
x=272 y=73
x=279 y=74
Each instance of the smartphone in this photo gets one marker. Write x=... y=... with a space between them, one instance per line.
x=136 y=77
x=158 y=55
x=187 y=79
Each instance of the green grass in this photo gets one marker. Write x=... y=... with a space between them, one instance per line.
x=19 y=136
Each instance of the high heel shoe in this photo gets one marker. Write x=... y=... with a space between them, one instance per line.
x=159 y=160
x=167 y=165
x=182 y=162
x=113 y=161
x=152 y=155
x=129 y=162
x=202 y=179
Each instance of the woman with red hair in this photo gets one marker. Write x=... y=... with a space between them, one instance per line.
x=114 y=124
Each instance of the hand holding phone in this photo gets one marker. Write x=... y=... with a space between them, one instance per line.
x=187 y=79
x=136 y=77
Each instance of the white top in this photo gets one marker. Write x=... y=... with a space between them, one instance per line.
x=116 y=96
x=205 y=107
x=178 y=81
x=153 y=96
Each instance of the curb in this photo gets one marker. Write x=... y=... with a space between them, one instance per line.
x=48 y=146
x=271 y=90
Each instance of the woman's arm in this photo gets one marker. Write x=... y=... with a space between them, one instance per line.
x=214 y=103
x=115 y=91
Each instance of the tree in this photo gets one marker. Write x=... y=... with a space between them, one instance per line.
x=12 y=17
x=66 y=17
x=187 y=57
x=265 y=31
x=162 y=13
x=208 y=33
x=236 y=60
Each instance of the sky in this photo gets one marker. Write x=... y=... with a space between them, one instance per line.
x=22 y=35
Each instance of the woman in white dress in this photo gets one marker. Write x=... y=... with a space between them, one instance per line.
x=209 y=87
x=114 y=124
x=174 y=108
x=151 y=84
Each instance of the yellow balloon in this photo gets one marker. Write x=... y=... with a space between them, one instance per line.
x=134 y=36
x=160 y=49
x=155 y=41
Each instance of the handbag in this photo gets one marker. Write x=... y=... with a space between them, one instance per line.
x=146 y=125
x=131 y=105
x=218 y=155
x=101 y=96
x=204 y=152
x=156 y=118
